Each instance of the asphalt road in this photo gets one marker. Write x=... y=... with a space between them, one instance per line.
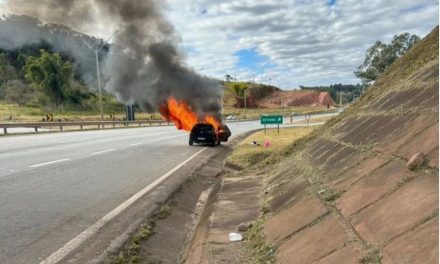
x=53 y=186
x=64 y=182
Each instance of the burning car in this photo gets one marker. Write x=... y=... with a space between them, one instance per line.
x=203 y=128
x=207 y=133
x=223 y=132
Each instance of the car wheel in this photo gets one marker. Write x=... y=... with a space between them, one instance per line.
x=191 y=142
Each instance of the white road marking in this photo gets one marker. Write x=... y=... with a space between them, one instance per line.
x=136 y=144
x=155 y=140
x=48 y=163
x=102 y=151
x=160 y=139
x=91 y=230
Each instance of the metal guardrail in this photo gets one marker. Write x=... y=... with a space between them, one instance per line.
x=83 y=124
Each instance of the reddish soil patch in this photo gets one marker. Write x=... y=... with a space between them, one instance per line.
x=296 y=98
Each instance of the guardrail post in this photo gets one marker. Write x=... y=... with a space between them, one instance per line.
x=139 y=123
x=81 y=127
x=113 y=125
x=61 y=128
x=5 y=130
x=36 y=129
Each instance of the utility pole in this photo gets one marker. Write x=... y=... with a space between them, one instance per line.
x=340 y=98
x=245 y=103
x=281 y=99
x=98 y=75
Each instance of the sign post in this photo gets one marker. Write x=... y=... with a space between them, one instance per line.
x=307 y=117
x=271 y=120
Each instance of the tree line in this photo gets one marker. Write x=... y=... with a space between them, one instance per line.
x=34 y=75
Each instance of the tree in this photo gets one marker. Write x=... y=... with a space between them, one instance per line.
x=18 y=92
x=7 y=72
x=228 y=78
x=380 y=56
x=49 y=74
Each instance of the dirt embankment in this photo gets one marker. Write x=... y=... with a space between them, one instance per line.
x=262 y=96
x=296 y=98
x=347 y=195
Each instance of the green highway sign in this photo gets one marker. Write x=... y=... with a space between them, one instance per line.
x=271 y=120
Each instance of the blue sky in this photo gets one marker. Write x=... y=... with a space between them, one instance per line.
x=252 y=60
x=292 y=43
x=285 y=42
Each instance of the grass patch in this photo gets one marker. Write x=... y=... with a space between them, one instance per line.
x=372 y=255
x=260 y=251
x=130 y=253
x=164 y=211
x=330 y=195
x=316 y=120
x=248 y=156
x=12 y=112
x=257 y=112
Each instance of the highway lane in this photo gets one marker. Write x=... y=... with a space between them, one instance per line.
x=53 y=186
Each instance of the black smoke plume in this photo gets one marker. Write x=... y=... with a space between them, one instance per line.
x=144 y=64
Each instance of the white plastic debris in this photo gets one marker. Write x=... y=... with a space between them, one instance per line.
x=235 y=237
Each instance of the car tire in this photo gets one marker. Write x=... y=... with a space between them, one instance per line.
x=191 y=142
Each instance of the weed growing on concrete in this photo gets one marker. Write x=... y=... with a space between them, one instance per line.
x=164 y=211
x=130 y=253
x=429 y=217
x=372 y=255
x=261 y=252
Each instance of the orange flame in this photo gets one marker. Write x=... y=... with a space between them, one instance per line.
x=183 y=117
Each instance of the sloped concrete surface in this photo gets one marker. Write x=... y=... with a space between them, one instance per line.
x=346 y=196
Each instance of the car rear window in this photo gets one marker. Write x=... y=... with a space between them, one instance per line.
x=206 y=128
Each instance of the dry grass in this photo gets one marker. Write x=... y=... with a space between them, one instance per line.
x=257 y=112
x=316 y=120
x=11 y=112
x=248 y=156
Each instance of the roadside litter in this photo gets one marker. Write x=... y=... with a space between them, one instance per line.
x=235 y=237
x=267 y=143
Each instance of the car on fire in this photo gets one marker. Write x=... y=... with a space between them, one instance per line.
x=206 y=133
